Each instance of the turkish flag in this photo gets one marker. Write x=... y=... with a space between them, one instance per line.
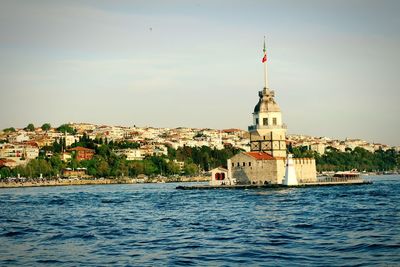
x=264 y=58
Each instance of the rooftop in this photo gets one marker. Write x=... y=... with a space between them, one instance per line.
x=260 y=155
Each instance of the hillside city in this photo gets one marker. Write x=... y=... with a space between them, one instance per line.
x=19 y=146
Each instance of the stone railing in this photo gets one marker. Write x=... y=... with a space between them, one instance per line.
x=269 y=127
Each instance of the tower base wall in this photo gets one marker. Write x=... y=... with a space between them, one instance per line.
x=305 y=170
x=247 y=170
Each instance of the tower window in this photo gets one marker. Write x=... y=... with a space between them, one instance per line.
x=274 y=121
x=265 y=121
x=249 y=164
x=244 y=164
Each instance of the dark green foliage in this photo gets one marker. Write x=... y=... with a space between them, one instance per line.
x=191 y=169
x=46 y=126
x=9 y=130
x=5 y=172
x=65 y=128
x=34 y=168
x=124 y=144
x=85 y=141
x=57 y=164
x=359 y=158
x=30 y=127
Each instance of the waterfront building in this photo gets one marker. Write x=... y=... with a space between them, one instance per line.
x=220 y=177
x=265 y=163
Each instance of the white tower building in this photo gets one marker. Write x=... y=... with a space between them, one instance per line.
x=268 y=132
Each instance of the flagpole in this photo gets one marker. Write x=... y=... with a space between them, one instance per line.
x=265 y=75
x=265 y=67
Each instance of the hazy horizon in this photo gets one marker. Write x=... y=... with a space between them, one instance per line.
x=333 y=65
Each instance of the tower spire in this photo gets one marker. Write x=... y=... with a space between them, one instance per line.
x=264 y=61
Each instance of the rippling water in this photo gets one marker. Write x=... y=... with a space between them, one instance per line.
x=154 y=224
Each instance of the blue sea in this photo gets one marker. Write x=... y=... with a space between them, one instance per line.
x=157 y=225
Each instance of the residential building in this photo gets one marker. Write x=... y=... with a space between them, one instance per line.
x=130 y=154
x=82 y=153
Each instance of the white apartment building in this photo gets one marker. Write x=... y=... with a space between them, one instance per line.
x=18 y=152
x=131 y=154
x=18 y=138
x=318 y=147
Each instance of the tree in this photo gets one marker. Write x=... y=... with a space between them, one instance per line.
x=149 y=167
x=103 y=168
x=65 y=128
x=57 y=164
x=103 y=150
x=5 y=172
x=30 y=127
x=46 y=127
x=57 y=147
x=120 y=168
x=172 y=168
x=191 y=169
x=125 y=144
x=73 y=163
x=9 y=130
x=135 y=168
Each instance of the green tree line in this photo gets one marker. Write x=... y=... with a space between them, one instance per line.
x=106 y=163
x=358 y=158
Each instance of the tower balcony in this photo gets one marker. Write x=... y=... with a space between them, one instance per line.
x=266 y=127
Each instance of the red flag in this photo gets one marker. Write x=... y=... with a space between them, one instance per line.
x=264 y=58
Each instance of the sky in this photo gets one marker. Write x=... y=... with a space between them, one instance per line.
x=334 y=65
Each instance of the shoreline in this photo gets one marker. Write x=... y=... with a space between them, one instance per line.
x=273 y=186
x=73 y=182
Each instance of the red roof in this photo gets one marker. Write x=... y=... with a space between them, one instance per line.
x=3 y=162
x=260 y=155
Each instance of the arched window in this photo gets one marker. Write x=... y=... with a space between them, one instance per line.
x=222 y=176
x=217 y=176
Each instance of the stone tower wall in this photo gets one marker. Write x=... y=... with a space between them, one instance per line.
x=247 y=170
x=305 y=170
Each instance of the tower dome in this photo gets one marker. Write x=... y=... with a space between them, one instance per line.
x=266 y=103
